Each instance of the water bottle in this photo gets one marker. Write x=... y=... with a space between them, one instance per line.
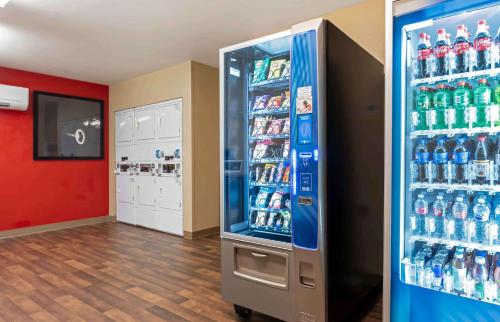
x=419 y=268
x=481 y=217
x=459 y=270
x=448 y=278
x=439 y=212
x=480 y=275
x=459 y=210
x=440 y=159
x=421 y=211
x=495 y=226
x=437 y=269
x=496 y=276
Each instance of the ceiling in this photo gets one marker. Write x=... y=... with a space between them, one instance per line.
x=107 y=41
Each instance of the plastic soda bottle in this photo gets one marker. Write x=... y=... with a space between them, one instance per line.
x=424 y=52
x=442 y=101
x=460 y=213
x=481 y=212
x=480 y=274
x=460 y=161
x=422 y=105
x=481 y=162
x=496 y=276
x=441 y=53
x=421 y=159
x=462 y=98
x=461 y=48
x=482 y=100
x=459 y=271
x=496 y=98
x=482 y=45
x=439 y=212
x=440 y=159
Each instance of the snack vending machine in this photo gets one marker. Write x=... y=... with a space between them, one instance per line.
x=301 y=210
x=446 y=163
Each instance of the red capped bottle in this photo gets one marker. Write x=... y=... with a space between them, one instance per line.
x=482 y=45
x=461 y=49
x=424 y=52
x=441 y=53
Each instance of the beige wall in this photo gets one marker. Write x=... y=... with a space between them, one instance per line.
x=206 y=176
x=365 y=24
x=198 y=85
x=162 y=85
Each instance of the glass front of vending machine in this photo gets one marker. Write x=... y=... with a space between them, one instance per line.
x=447 y=116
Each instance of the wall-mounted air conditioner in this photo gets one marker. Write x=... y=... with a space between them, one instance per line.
x=14 y=98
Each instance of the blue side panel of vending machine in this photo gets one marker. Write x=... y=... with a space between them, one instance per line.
x=304 y=140
x=412 y=303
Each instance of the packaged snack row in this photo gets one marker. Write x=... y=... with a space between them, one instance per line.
x=270 y=125
x=272 y=173
x=277 y=221
x=271 y=149
x=267 y=69
x=268 y=102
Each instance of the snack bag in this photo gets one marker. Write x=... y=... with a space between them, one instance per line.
x=257 y=173
x=275 y=126
x=276 y=200
x=286 y=127
x=286 y=99
x=261 y=149
x=271 y=173
x=274 y=102
x=286 y=148
x=262 y=196
x=286 y=220
x=259 y=70
x=278 y=224
x=259 y=125
x=286 y=174
x=260 y=220
x=261 y=102
x=286 y=69
x=270 y=220
x=275 y=69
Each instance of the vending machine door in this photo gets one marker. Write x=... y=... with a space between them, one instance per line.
x=445 y=176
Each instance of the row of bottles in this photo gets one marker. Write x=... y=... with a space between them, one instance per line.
x=473 y=273
x=461 y=56
x=454 y=163
x=457 y=218
x=448 y=108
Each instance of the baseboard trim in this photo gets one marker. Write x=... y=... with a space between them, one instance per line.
x=56 y=226
x=201 y=233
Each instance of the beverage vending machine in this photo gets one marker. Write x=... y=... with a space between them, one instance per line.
x=302 y=174
x=445 y=263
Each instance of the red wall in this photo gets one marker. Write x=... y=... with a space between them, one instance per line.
x=42 y=192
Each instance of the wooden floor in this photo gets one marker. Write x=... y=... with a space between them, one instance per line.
x=114 y=272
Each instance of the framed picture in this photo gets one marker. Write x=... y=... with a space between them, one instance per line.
x=67 y=127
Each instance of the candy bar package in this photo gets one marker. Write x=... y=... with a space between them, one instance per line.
x=286 y=148
x=286 y=99
x=286 y=174
x=274 y=102
x=272 y=173
x=262 y=197
x=257 y=173
x=275 y=69
x=259 y=125
x=261 y=102
x=260 y=220
x=268 y=168
x=279 y=172
x=275 y=126
x=270 y=220
x=259 y=70
x=286 y=127
x=286 y=69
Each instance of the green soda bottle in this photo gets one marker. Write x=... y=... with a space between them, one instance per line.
x=442 y=101
x=482 y=100
x=497 y=101
x=422 y=105
x=462 y=97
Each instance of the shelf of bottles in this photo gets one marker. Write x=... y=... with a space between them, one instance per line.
x=269 y=146
x=452 y=204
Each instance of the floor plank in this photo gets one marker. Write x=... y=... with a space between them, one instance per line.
x=115 y=272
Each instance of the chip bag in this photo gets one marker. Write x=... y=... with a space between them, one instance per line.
x=274 y=102
x=275 y=69
x=261 y=102
x=259 y=70
x=275 y=126
x=286 y=69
